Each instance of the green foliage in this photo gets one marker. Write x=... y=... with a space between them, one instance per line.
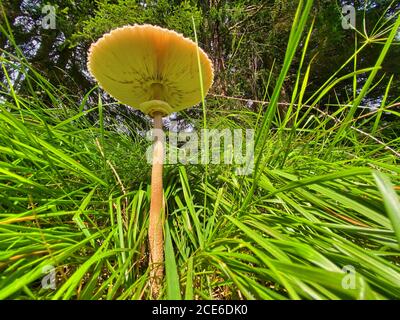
x=127 y=12
x=246 y=40
x=74 y=190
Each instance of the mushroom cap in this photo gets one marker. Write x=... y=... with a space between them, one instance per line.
x=150 y=68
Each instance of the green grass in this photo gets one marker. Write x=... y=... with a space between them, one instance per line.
x=324 y=195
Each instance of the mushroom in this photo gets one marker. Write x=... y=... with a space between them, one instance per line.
x=157 y=71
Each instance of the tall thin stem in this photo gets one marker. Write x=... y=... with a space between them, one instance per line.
x=156 y=236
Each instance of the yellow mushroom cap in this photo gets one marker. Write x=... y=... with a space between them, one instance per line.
x=150 y=68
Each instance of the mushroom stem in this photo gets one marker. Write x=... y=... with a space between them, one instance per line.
x=156 y=237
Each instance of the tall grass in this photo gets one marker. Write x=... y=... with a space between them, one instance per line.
x=323 y=199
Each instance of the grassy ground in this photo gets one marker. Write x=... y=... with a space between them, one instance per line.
x=319 y=218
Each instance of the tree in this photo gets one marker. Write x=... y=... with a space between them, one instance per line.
x=246 y=40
